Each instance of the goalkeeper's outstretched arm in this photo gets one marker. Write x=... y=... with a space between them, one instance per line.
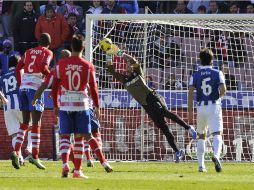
x=111 y=69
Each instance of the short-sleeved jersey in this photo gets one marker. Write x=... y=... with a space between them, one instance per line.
x=75 y=73
x=9 y=87
x=34 y=61
x=207 y=81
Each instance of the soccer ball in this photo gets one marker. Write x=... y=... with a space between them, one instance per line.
x=105 y=44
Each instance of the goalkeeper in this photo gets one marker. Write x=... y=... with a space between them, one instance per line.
x=151 y=101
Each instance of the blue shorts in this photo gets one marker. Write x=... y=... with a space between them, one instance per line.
x=95 y=124
x=26 y=96
x=77 y=122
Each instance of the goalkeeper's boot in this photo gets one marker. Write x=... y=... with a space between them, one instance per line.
x=217 y=164
x=15 y=160
x=179 y=155
x=193 y=132
x=89 y=163
x=65 y=170
x=79 y=174
x=202 y=169
x=37 y=163
x=107 y=167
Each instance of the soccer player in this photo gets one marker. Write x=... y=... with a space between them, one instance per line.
x=49 y=79
x=210 y=86
x=72 y=75
x=35 y=63
x=10 y=99
x=152 y=102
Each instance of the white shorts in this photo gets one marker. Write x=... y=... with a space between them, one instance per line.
x=209 y=117
x=12 y=119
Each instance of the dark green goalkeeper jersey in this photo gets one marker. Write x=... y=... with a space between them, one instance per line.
x=135 y=83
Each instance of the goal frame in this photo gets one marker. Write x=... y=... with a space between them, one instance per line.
x=162 y=17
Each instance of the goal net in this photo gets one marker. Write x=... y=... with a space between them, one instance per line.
x=168 y=47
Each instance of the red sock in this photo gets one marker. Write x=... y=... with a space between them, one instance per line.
x=71 y=156
x=20 y=137
x=35 y=137
x=97 y=136
x=65 y=148
x=78 y=152
x=96 y=149
x=87 y=151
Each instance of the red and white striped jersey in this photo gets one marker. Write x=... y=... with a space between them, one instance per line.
x=74 y=74
x=35 y=63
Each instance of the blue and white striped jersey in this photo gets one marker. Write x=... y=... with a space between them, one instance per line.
x=207 y=81
x=9 y=87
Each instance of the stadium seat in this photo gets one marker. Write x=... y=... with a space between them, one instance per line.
x=155 y=74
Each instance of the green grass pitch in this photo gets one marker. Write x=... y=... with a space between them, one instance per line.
x=130 y=175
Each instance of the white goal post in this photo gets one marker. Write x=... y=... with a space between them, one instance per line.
x=167 y=46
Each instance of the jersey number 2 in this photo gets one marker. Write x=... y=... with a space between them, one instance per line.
x=207 y=89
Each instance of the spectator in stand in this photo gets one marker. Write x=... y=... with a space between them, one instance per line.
x=56 y=26
x=6 y=18
x=234 y=8
x=73 y=28
x=95 y=8
x=213 y=7
x=4 y=57
x=50 y=2
x=181 y=8
x=201 y=9
x=230 y=80
x=70 y=7
x=24 y=28
x=18 y=8
x=193 y=5
x=113 y=8
x=250 y=9
x=130 y=6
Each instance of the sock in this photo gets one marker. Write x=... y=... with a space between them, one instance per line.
x=35 y=137
x=71 y=156
x=97 y=136
x=65 y=148
x=87 y=151
x=78 y=152
x=201 y=152
x=20 y=137
x=13 y=142
x=217 y=145
x=29 y=141
x=96 y=149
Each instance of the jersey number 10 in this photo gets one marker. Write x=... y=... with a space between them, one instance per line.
x=73 y=77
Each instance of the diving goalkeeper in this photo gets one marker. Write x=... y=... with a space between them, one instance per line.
x=151 y=101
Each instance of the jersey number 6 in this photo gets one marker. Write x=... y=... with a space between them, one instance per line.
x=207 y=89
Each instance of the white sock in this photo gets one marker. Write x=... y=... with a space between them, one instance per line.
x=29 y=142
x=13 y=142
x=201 y=152
x=217 y=145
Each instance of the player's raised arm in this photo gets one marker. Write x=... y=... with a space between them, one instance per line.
x=19 y=67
